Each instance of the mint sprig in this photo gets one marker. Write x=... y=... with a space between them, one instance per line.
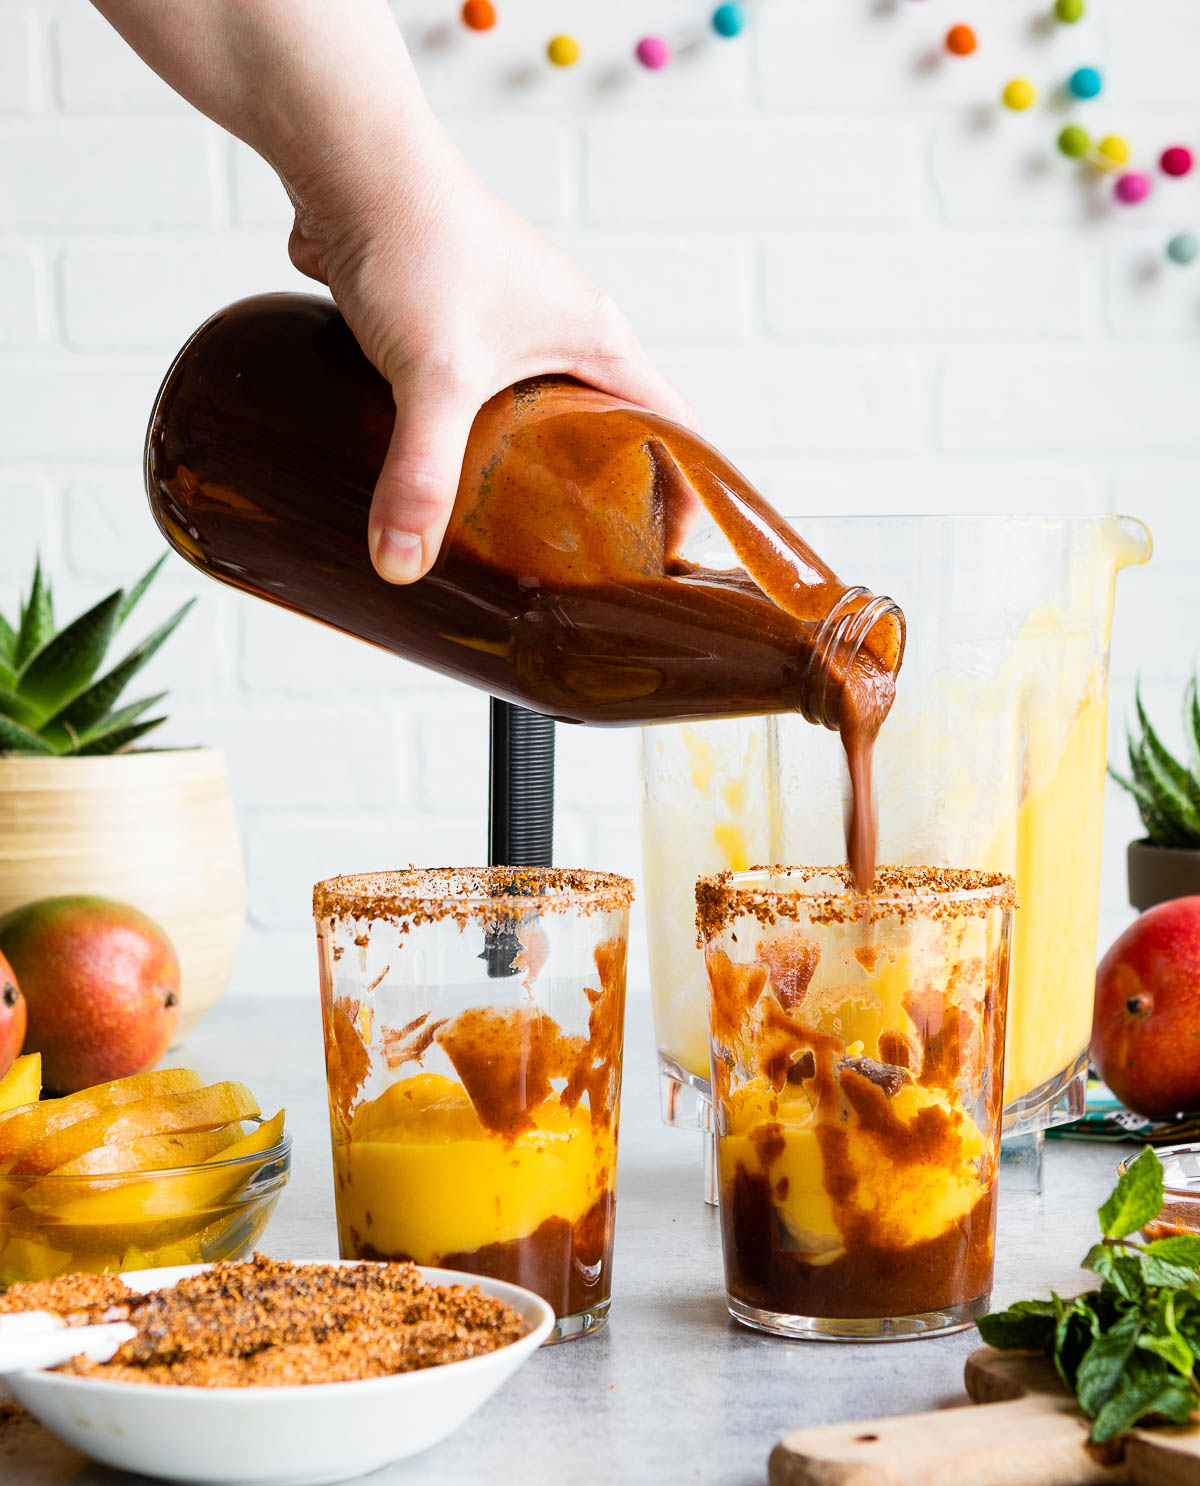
x=1129 y=1351
x=1136 y=1199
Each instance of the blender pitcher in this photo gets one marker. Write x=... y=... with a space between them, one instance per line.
x=993 y=757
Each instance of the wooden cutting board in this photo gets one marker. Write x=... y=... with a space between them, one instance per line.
x=1031 y=1433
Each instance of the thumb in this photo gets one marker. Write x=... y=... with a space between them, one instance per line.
x=415 y=491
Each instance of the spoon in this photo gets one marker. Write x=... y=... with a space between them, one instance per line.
x=36 y=1339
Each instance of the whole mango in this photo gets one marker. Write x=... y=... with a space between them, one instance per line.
x=12 y=1017
x=101 y=988
x=1146 y=1024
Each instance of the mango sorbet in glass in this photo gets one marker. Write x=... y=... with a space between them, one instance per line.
x=857 y=1051
x=473 y=1037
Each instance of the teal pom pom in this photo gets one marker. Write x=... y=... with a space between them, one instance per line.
x=1085 y=82
x=729 y=20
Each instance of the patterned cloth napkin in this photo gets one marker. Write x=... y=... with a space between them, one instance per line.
x=1106 y=1118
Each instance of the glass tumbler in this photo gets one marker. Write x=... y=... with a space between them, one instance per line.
x=473 y=1024
x=857 y=1048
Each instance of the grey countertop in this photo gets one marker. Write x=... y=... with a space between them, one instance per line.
x=672 y=1390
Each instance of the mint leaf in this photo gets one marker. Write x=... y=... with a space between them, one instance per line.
x=1103 y=1363
x=1077 y=1326
x=1181 y=1248
x=1146 y=1387
x=1119 y=1267
x=1018 y=1330
x=1185 y=1317
x=1172 y=1349
x=1136 y=1199
x=1158 y=1271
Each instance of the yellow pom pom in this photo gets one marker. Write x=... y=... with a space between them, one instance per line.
x=563 y=51
x=1112 y=151
x=1020 y=94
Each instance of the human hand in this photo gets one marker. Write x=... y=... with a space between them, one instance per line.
x=451 y=295
x=454 y=297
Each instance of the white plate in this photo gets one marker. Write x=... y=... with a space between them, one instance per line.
x=300 y=1436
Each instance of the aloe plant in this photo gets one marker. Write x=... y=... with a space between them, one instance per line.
x=1167 y=792
x=51 y=700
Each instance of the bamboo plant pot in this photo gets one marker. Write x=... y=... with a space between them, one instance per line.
x=156 y=830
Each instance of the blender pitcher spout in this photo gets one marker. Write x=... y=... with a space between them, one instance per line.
x=1131 y=541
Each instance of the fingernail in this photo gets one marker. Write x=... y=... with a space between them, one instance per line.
x=396 y=554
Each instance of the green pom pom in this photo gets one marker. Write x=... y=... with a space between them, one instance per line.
x=1183 y=249
x=1073 y=141
x=1069 y=11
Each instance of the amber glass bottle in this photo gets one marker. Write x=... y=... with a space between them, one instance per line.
x=556 y=587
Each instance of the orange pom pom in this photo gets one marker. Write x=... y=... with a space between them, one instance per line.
x=480 y=15
x=961 y=41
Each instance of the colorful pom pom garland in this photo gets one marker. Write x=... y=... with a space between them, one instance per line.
x=1111 y=153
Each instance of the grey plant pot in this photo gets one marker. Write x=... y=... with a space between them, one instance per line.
x=1159 y=873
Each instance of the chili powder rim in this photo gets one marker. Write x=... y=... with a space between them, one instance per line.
x=899 y=892
x=421 y=895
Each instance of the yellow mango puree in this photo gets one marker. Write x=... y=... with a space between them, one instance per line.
x=421 y=1176
x=1053 y=851
x=906 y=1203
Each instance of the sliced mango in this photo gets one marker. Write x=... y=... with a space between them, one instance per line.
x=162 y=1114
x=22 y=1084
x=153 y=1152
x=87 y=1214
x=28 y=1259
x=30 y=1126
x=268 y=1134
x=166 y=1257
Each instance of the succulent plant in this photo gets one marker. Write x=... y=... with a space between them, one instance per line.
x=1167 y=792
x=51 y=701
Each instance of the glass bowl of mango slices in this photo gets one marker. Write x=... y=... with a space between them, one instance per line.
x=158 y=1169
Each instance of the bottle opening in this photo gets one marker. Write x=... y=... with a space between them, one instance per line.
x=858 y=619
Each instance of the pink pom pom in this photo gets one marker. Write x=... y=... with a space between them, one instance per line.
x=653 y=52
x=1132 y=187
x=1177 y=160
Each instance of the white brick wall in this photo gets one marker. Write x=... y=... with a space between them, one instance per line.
x=767 y=169
x=22 y=298
x=75 y=174
x=882 y=292
x=175 y=285
x=18 y=68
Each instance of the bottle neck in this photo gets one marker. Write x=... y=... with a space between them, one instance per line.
x=859 y=621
